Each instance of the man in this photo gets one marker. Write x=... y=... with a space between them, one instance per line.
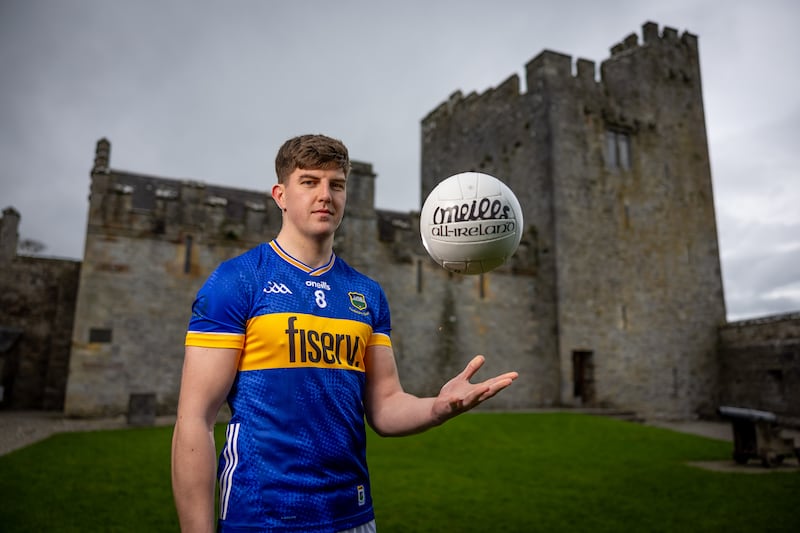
x=298 y=343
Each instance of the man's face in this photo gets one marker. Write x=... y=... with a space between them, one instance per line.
x=313 y=200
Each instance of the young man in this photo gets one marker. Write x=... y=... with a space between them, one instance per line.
x=298 y=343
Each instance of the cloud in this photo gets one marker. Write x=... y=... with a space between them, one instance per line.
x=205 y=91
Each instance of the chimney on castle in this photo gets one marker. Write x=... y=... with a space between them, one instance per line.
x=9 y=235
x=102 y=155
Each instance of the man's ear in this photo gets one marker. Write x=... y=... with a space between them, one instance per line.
x=277 y=195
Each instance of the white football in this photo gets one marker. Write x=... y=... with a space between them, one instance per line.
x=471 y=223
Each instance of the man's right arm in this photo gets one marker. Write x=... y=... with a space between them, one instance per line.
x=208 y=374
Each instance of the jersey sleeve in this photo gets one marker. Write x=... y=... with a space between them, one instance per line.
x=221 y=309
x=382 y=327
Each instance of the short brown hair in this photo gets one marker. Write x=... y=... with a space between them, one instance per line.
x=311 y=152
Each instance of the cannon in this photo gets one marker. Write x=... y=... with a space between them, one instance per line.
x=760 y=435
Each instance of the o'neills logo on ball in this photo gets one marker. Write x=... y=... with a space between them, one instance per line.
x=492 y=215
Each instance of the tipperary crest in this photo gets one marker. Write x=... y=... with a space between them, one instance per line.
x=357 y=300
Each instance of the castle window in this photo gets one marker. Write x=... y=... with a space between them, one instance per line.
x=618 y=150
x=187 y=258
x=100 y=335
x=143 y=198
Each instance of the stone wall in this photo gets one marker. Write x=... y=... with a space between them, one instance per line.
x=37 y=306
x=760 y=364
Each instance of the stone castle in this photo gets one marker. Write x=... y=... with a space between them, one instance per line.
x=613 y=299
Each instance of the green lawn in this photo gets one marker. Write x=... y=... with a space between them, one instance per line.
x=480 y=472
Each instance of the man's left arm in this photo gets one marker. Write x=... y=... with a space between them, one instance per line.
x=393 y=412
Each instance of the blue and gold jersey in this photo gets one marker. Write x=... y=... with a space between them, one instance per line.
x=294 y=458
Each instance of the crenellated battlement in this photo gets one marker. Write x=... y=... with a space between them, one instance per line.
x=550 y=68
x=651 y=37
x=508 y=90
x=126 y=203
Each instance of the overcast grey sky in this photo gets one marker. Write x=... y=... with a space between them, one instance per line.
x=209 y=90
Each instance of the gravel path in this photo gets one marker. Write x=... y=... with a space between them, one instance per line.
x=22 y=428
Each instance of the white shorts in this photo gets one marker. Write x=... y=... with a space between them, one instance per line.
x=369 y=527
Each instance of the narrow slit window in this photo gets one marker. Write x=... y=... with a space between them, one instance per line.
x=611 y=150
x=187 y=258
x=624 y=151
x=618 y=150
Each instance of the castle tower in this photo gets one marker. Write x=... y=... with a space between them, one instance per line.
x=614 y=179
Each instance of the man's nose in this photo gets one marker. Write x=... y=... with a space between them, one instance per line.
x=325 y=191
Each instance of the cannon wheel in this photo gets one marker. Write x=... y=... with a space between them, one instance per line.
x=771 y=459
x=741 y=458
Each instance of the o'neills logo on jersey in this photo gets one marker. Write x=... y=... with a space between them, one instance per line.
x=309 y=346
x=492 y=217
